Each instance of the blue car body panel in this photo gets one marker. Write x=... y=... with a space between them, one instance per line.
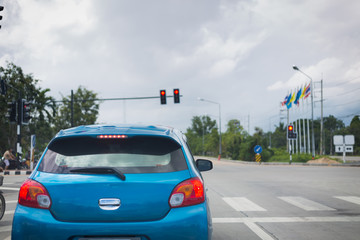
x=144 y=197
x=144 y=211
x=180 y=223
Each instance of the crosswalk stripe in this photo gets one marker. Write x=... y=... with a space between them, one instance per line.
x=351 y=199
x=306 y=204
x=287 y=219
x=242 y=204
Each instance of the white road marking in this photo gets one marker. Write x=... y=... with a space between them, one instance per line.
x=251 y=222
x=10 y=212
x=286 y=219
x=5 y=228
x=351 y=199
x=258 y=230
x=9 y=188
x=242 y=204
x=306 y=204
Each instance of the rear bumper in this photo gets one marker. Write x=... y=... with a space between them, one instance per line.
x=191 y=222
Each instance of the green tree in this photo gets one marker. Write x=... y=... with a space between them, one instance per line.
x=278 y=137
x=42 y=109
x=85 y=109
x=247 y=148
x=232 y=139
x=203 y=137
x=332 y=126
x=354 y=129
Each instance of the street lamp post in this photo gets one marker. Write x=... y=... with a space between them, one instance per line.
x=312 y=110
x=204 y=100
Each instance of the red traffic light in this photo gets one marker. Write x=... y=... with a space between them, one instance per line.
x=162 y=96
x=176 y=95
x=290 y=132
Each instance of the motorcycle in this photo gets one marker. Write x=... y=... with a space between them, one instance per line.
x=2 y=199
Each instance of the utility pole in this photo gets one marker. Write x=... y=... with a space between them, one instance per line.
x=322 y=120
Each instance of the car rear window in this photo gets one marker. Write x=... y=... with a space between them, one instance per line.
x=139 y=154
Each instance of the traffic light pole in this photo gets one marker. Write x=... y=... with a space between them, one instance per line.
x=290 y=152
x=18 y=115
x=18 y=130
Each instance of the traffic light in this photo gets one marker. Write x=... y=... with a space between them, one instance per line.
x=176 y=95
x=11 y=111
x=162 y=96
x=1 y=8
x=3 y=87
x=25 y=106
x=290 y=132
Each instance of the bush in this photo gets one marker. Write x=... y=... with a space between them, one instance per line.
x=281 y=155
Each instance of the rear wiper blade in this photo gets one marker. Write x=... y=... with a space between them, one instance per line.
x=106 y=170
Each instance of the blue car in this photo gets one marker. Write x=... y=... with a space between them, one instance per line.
x=118 y=182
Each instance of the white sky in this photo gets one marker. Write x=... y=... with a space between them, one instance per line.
x=237 y=53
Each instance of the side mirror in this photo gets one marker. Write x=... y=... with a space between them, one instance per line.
x=204 y=165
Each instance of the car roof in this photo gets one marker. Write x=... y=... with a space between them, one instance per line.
x=131 y=130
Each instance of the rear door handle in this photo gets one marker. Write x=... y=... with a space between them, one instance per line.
x=109 y=203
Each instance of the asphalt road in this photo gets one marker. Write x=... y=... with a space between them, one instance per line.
x=265 y=202
x=284 y=202
x=10 y=189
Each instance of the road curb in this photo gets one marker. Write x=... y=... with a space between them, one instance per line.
x=17 y=172
x=352 y=164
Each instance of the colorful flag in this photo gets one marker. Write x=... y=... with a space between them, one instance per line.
x=288 y=99
x=285 y=100
x=293 y=97
x=288 y=105
x=307 y=91
x=303 y=92
x=298 y=97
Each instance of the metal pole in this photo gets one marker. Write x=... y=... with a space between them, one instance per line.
x=322 y=121
x=292 y=145
x=304 y=133
x=124 y=109
x=308 y=135
x=287 y=124
x=220 y=132
x=296 y=141
x=201 y=99
x=203 y=139
x=72 y=108
x=312 y=109
x=312 y=119
x=300 y=143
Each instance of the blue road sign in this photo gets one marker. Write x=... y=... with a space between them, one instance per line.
x=257 y=149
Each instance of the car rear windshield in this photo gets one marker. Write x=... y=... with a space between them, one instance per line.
x=139 y=154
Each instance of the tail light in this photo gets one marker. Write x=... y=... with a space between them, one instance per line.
x=188 y=192
x=33 y=194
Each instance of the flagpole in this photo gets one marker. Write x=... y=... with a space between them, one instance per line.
x=312 y=109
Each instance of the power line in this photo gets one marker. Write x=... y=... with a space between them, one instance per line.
x=356 y=101
x=342 y=83
x=350 y=115
x=341 y=94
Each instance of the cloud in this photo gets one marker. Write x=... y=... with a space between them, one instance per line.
x=238 y=53
x=39 y=29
